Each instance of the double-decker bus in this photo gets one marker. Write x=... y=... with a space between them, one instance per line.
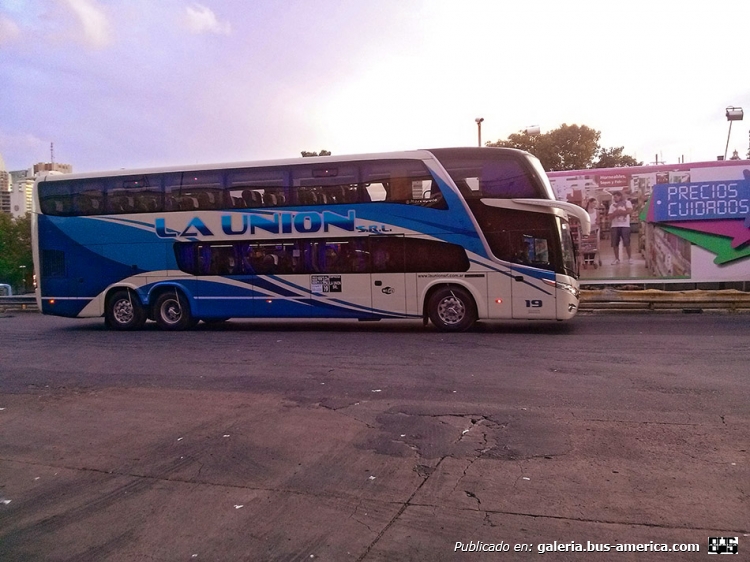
x=450 y=235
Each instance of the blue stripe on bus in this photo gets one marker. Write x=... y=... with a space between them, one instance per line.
x=539 y=274
x=227 y=300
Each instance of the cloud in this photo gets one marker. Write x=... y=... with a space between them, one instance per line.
x=200 y=19
x=96 y=27
x=18 y=148
x=9 y=31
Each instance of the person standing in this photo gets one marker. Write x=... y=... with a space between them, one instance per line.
x=619 y=220
x=592 y=208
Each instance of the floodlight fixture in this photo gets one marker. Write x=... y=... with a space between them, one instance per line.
x=733 y=114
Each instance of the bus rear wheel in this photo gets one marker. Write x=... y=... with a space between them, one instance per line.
x=172 y=312
x=452 y=309
x=124 y=311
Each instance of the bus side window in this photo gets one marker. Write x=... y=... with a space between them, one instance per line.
x=387 y=254
x=401 y=181
x=261 y=187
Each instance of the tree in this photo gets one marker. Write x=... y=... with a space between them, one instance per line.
x=306 y=154
x=15 y=250
x=569 y=147
x=614 y=158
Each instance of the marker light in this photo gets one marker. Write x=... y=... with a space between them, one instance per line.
x=498 y=301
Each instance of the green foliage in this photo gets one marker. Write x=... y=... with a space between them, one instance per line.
x=614 y=158
x=16 y=265
x=569 y=147
x=305 y=153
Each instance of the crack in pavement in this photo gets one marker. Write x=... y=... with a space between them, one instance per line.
x=400 y=512
x=190 y=481
x=488 y=512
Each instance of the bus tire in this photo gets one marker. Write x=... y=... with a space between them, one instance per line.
x=124 y=311
x=172 y=311
x=452 y=309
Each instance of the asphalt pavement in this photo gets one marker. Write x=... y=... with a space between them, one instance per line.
x=272 y=440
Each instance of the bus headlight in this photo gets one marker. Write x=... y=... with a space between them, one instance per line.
x=573 y=290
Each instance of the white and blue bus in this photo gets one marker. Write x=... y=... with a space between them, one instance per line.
x=451 y=235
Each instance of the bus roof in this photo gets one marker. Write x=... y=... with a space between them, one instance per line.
x=407 y=154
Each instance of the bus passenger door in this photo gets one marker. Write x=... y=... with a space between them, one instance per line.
x=388 y=280
x=532 y=298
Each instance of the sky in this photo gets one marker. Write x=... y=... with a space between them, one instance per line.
x=139 y=83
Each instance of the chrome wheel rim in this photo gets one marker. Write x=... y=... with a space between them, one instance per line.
x=171 y=311
x=123 y=311
x=451 y=310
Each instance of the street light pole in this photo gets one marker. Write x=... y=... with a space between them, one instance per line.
x=479 y=130
x=733 y=114
x=23 y=278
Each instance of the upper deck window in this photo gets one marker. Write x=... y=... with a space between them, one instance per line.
x=325 y=185
x=134 y=194
x=190 y=191
x=256 y=187
x=401 y=181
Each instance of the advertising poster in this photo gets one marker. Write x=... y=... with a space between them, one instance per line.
x=681 y=222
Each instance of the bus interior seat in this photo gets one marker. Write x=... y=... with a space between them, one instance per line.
x=147 y=205
x=252 y=198
x=204 y=201
x=188 y=204
x=171 y=203
x=269 y=200
x=82 y=204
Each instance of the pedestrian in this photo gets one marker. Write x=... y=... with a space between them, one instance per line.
x=619 y=221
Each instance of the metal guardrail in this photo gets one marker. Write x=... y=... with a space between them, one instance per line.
x=18 y=302
x=651 y=299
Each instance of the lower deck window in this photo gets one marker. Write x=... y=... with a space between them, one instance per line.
x=375 y=254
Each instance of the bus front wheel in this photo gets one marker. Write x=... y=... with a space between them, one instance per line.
x=172 y=312
x=124 y=311
x=452 y=309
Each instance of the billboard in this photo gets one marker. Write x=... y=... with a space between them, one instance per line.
x=678 y=222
